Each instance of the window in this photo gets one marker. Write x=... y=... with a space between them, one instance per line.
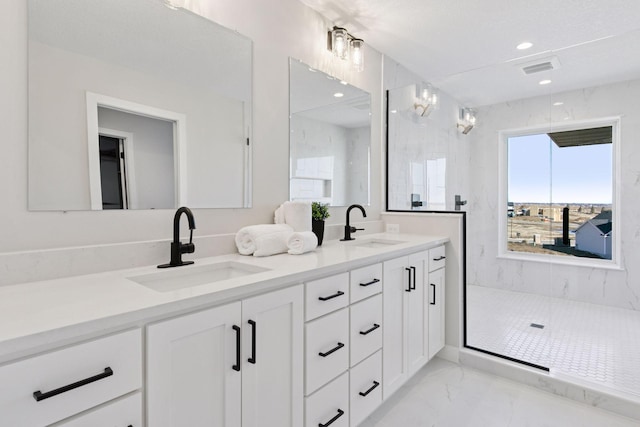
x=560 y=196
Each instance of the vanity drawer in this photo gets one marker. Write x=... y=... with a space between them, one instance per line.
x=365 y=282
x=366 y=328
x=365 y=388
x=326 y=295
x=70 y=380
x=436 y=258
x=326 y=349
x=126 y=412
x=329 y=403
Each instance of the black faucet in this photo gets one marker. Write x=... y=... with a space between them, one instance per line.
x=348 y=229
x=178 y=248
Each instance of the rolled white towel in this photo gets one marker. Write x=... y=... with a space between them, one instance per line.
x=301 y=242
x=297 y=214
x=254 y=237
x=278 y=215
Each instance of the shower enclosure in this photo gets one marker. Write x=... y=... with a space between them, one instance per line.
x=551 y=227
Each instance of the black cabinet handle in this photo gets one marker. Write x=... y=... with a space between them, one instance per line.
x=368 y=331
x=434 y=295
x=409 y=279
x=332 y=420
x=336 y=348
x=440 y=258
x=364 y=393
x=337 y=294
x=236 y=367
x=38 y=395
x=370 y=283
x=252 y=359
x=413 y=269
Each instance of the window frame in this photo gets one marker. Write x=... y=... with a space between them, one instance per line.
x=503 y=172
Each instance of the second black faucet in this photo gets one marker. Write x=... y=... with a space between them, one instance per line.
x=177 y=247
x=348 y=229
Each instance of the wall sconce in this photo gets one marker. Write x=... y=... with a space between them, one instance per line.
x=426 y=99
x=346 y=47
x=467 y=120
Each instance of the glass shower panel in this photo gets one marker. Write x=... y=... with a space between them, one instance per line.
x=419 y=157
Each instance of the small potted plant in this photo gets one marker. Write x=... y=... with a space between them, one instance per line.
x=319 y=212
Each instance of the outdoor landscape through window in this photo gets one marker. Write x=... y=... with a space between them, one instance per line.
x=560 y=192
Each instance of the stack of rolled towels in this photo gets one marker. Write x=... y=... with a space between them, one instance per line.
x=290 y=233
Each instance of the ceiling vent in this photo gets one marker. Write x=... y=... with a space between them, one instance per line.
x=540 y=65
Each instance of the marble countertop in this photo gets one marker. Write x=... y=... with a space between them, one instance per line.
x=39 y=315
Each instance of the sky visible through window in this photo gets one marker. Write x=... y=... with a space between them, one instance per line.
x=542 y=172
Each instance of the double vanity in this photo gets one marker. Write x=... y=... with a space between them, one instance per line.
x=318 y=339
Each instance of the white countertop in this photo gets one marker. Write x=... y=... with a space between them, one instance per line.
x=38 y=315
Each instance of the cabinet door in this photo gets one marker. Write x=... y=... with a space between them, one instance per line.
x=272 y=362
x=435 y=306
x=417 y=339
x=394 y=335
x=191 y=380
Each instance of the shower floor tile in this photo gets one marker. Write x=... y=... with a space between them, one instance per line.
x=596 y=344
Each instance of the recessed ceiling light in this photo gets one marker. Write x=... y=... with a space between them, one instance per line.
x=544 y=82
x=557 y=104
x=524 y=45
x=338 y=94
x=344 y=82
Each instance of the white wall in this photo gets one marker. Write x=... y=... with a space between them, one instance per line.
x=268 y=24
x=619 y=288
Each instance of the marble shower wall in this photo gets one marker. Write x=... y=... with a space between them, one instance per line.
x=611 y=287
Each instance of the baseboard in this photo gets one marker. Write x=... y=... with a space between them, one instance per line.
x=450 y=353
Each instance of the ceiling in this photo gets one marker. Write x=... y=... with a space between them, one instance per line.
x=467 y=48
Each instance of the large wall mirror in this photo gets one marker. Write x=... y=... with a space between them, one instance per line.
x=330 y=138
x=135 y=105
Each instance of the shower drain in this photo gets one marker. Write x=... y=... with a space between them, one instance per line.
x=537 y=325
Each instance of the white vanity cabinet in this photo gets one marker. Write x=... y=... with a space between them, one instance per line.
x=238 y=364
x=48 y=388
x=343 y=381
x=435 y=300
x=405 y=329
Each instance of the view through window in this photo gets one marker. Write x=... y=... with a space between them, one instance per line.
x=560 y=193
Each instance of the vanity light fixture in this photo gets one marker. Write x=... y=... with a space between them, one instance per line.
x=346 y=47
x=357 y=54
x=467 y=120
x=426 y=99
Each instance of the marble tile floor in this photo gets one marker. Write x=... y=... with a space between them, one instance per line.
x=593 y=344
x=446 y=394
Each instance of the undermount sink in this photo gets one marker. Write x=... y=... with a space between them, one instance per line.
x=377 y=243
x=186 y=277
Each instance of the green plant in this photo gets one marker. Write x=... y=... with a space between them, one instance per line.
x=320 y=211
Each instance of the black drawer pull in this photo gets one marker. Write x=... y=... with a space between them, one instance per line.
x=38 y=395
x=408 y=278
x=236 y=367
x=413 y=269
x=252 y=359
x=368 y=331
x=364 y=393
x=336 y=348
x=434 y=295
x=332 y=420
x=337 y=294
x=370 y=283
x=440 y=258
